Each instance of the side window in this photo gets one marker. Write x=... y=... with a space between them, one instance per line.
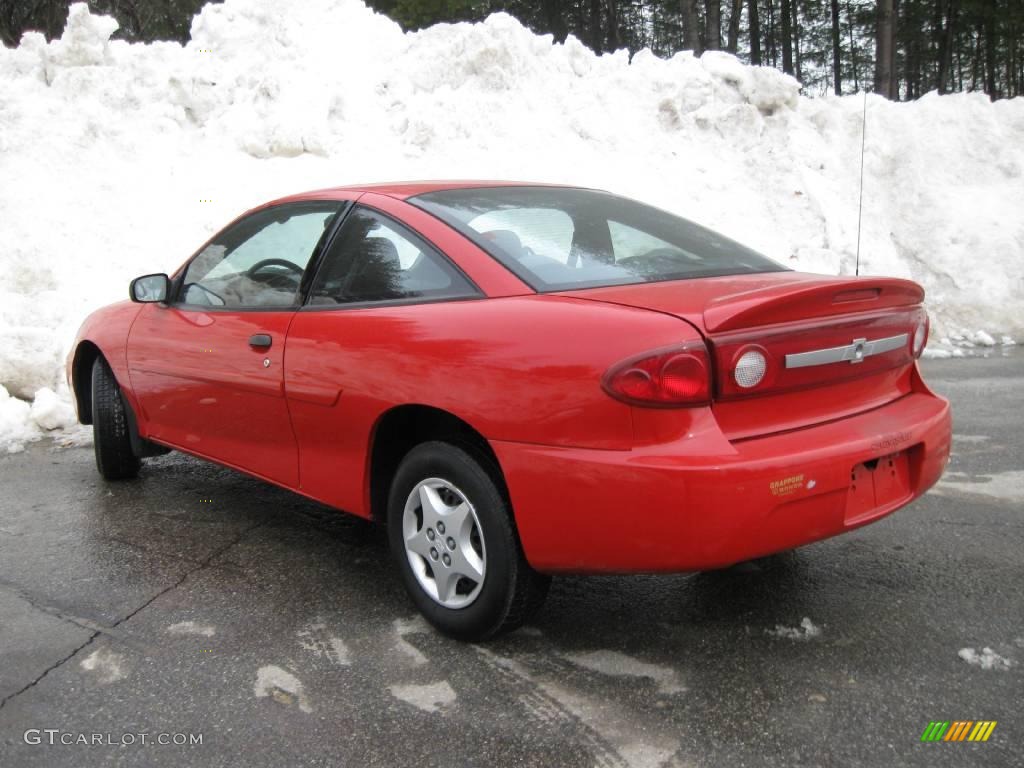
x=258 y=261
x=376 y=259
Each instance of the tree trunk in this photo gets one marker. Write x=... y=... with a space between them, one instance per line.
x=990 y=55
x=837 y=60
x=734 y=25
x=884 y=45
x=770 y=45
x=853 y=49
x=691 y=27
x=1012 y=83
x=555 y=19
x=894 y=77
x=596 y=33
x=713 y=24
x=911 y=70
x=787 y=38
x=755 y=33
x=950 y=8
x=796 y=41
x=614 y=39
x=976 y=59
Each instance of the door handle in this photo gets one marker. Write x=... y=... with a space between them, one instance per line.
x=260 y=340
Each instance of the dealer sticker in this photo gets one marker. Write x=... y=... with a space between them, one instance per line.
x=786 y=485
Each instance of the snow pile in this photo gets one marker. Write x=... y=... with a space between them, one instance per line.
x=120 y=159
x=986 y=659
x=969 y=344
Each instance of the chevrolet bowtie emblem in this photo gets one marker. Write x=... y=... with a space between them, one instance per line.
x=858 y=350
x=854 y=352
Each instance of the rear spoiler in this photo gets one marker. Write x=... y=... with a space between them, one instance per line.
x=826 y=297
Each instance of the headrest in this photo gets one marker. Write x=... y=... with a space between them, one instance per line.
x=507 y=240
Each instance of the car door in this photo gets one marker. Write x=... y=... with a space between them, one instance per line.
x=207 y=367
x=379 y=290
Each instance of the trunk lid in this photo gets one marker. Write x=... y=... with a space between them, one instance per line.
x=833 y=346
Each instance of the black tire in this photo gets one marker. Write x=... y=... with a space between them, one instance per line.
x=110 y=428
x=511 y=590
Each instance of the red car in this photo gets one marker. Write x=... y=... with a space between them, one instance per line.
x=521 y=380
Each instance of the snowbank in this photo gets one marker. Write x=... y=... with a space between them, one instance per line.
x=119 y=159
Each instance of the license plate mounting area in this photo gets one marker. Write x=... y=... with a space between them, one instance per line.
x=876 y=485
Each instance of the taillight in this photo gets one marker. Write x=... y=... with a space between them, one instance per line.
x=663 y=378
x=920 y=335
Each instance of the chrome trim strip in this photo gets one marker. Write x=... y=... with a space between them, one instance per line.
x=854 y=353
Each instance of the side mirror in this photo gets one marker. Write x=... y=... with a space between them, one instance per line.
x=150 y=288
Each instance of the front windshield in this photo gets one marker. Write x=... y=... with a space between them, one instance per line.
x=558 y=238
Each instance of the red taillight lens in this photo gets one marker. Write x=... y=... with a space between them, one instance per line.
x=666 y=378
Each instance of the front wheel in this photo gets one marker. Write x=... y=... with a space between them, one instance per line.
x=110 y=436
x=451 y=534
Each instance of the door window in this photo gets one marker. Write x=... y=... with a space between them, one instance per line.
x=259 y=261
x=373 y=258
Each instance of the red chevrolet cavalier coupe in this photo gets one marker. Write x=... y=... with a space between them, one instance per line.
x=521 y=380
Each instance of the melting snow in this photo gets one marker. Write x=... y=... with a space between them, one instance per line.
x=316 y=639
x=280 y=685
x=191 y=628
x=1006 y=486
x=106 y=664
x=429 y=698
x=621 y=665
x=805 y=631
x=986 y=659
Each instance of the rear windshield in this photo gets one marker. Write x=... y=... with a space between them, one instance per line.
x=556 y=238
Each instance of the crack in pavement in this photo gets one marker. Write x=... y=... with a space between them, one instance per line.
x=97 y=632
x=48 y=670
x=49 y=610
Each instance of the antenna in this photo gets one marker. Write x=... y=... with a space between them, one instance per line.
x=860 y=201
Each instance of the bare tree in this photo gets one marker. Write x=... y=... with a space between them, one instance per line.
x=787 y=37
x=798 y=60
x=614 y=38
x=755 y=33
x=853 y=48
x=596 y=33
x=947 y=12
x=990 y=56
x=837 y=60
x=734 y=26
x=885 y=39
x=691 y=26
x=713 y=25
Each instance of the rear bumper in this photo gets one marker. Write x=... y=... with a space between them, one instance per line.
x=671 y=508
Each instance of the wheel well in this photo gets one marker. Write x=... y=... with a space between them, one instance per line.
x=401 y=429
x=81 y=379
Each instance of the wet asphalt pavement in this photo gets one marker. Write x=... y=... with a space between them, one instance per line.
x=197 y=601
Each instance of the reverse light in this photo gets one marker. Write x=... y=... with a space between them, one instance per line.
x=750 y=369
x=680 y=376
x=920 y=336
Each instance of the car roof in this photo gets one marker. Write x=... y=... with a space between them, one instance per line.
x=404 y=189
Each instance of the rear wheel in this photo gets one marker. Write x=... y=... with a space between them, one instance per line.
x=110 y=428
x=451 y=534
